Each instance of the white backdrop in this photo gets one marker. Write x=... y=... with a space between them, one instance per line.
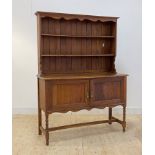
x=128 y=58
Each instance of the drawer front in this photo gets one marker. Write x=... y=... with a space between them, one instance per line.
x=108 y=91
x=66 y=94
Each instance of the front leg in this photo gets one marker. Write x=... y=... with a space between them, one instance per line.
x=110 y=115
x=39 y=112
x=39 y=121
x=46 y=130
x=124 y=118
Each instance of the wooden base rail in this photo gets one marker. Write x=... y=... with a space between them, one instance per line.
x=117 y=120
x=113 y=119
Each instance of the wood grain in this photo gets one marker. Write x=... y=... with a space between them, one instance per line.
x=76 y=67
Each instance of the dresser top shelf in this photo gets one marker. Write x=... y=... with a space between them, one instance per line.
x=79 y=76
x=76 y=44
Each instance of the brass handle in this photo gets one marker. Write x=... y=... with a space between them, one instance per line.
x=92 y=96
x=87 y=96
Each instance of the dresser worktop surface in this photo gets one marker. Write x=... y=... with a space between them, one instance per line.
x=79 y=76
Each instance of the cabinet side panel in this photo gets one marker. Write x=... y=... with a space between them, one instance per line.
x=124 y=87
x=42 y=97
x=39 y=43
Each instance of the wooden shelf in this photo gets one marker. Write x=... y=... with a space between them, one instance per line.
x=75 y=36
x=58 y=55
x=76 y=46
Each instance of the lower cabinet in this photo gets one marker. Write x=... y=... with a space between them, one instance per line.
x=65 y=95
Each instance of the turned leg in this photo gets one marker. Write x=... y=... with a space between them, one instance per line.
x=39 y=121
x=110 y=115
x=124 y=118
x=39 y=113
x=46 y=130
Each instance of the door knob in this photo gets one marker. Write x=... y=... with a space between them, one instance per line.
x=92 y=96
x=87 y=97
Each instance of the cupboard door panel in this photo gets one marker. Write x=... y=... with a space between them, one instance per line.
x=107 y=91
x=64 y=94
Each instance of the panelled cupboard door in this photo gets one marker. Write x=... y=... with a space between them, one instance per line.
x=108 y=91
x=63 y=95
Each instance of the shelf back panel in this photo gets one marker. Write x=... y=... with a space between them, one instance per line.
x=51 y=65
x=76 y=27
x=58 y=45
